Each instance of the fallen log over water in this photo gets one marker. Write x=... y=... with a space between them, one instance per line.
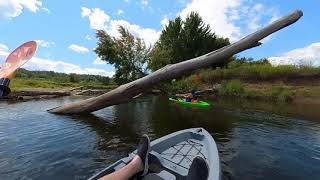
x=129 y=91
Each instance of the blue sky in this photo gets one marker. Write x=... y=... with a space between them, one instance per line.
x=66 y=36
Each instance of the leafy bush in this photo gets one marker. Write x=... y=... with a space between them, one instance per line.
x=281 y=92
x=231 y=88
x=250 y=94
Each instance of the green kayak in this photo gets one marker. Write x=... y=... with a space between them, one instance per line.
x=191 y=104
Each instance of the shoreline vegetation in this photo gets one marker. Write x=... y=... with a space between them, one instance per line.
x=255 y=80
x=28 y=85
x=53 y=80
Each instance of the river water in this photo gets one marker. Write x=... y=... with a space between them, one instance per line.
x=255 y=140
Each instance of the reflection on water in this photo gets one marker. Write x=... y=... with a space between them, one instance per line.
x=255 y=140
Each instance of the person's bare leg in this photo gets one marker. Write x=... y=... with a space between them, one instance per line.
x=127 y=171
x=139 y=163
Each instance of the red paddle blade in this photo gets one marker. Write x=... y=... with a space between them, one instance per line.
x=18 y=58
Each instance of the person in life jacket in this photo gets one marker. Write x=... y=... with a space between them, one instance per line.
x=192 y=97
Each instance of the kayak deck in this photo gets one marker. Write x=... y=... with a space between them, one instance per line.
x=172 y=155
x=192 y=104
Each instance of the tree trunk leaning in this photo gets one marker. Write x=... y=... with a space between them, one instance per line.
x=127 y=92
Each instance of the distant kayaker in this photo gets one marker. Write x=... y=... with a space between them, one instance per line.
x=192 y=97
x=139 y=165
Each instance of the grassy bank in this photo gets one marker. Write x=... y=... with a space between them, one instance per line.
x=47 y=79
x=276 y=92
x=258 y=80
x=25 y=83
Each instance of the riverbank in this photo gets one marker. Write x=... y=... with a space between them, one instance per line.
x=245 y=79
x=29 y=85
x=18 y=84
x=48 y=93
x=263 y=91
x=254 y=80
x=305 y=90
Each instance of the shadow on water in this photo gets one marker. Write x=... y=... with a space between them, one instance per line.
x=110 y=132
x=294 y=110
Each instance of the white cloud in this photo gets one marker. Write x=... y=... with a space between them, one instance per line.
x=98 y=61
x=215 y=13
x=309 y=55
x=44 y=43
x=232 y=18
x=3 y=47
x=164 y=22
x=46 y=10
x=39 y=64
x=97 y=17
x=144 y=2
x=88 y=37
x=3 y=53
x=256 y=13
x=78 y=49
x=85 y=11
x=111 y=25
x=120 y=11
x=100 y=72
x=149 y=35
x=13 y=8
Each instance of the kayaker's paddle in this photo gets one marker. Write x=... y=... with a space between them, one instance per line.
x=18 y=58
x=14 y=61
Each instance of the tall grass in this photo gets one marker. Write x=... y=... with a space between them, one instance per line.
x=282 y=93
x=278 y=92
x=22 y=83
x=231 y=88
x=258 y=72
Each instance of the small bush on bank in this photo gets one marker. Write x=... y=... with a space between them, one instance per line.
x=231 y=88
x=282 y=93
x=250 y=94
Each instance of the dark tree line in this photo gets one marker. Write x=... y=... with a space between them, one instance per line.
x=62 y=77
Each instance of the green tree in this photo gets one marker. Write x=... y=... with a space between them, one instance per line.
x=182 y=40
x=73 y=78
x=128 y=54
